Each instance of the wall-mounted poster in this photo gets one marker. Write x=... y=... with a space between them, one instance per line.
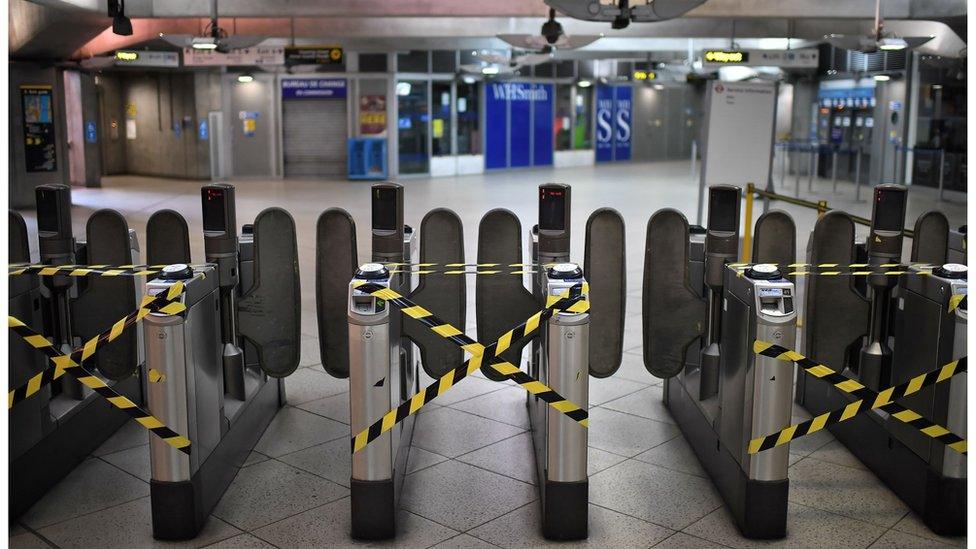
x=613 y=113
x=372 y=114
x=40 y=147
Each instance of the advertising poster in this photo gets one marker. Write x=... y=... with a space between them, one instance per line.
x=40 y=147
x=614 y=105
x=519 y=122
x=372 y=115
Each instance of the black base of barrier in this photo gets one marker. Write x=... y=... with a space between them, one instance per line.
x=373 y=509
x=77 y=435
x=759 y=507
x=180 y=509
x=939 y=500
x=565 y=510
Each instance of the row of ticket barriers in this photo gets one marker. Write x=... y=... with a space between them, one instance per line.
x=879 y=360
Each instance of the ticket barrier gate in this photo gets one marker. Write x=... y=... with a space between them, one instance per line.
x=700 y=318
x=884 y=333
x=215 y=371
x=58 y=427
x=364 y=340
x=572 y=345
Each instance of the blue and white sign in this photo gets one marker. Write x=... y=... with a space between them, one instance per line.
x=313 y=88
x=91 y=132
x=178 y=128
x=614 y=105
x=519 y=125
x=203 y=130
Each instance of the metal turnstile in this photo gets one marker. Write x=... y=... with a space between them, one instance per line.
x=63 y=423
x=700 y=319
x=885 y=333
x=216 y=370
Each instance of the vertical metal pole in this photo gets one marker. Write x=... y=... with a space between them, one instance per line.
x=798 y=170
x=814 y=156
x=701 y=182
x=833 y=169
x=857 y=176
x=941 y=174
x=784 y=152
x=747 y=238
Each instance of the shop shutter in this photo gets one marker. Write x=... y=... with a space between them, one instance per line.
x=314 y=137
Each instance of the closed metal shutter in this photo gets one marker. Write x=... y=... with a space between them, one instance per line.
x=314 y=137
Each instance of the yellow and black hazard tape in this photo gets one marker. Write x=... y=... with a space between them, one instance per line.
x=463 y=272
x=571 y=300
x=160 y=303
x=84 y=270
x=852 y=266
x=958 y=301
x=71 y=363
x=869 y=400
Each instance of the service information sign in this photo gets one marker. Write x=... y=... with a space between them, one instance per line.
x=313 y=88
x=313 y=55
x=740 y=122
x=272 y=55
x=40 y=146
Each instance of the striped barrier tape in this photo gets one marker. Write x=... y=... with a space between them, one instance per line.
x=882 y=400
x=16 y=269
x=902 y=266
x=461 y=272
x=958 y=301
x=571 y=300
x=71 y=363
x=149 y=304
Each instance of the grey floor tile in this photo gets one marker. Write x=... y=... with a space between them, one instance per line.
x=674 y=454
x=464 y=541
x=330 y=460
x=462 y=496
x=653 y=493
x=242 y=541
x=15 y=529
x=127 y=525
x=837 y=453
x=625 y=434
x=468 y=387
x=254 y=457
x=610 y=388
x=422 y=459
x=134 y=461
x=512 y=457
x=93 y=485
x=522 y=529
x=680 y=540
x=294 y=429
x=806 y=527
x=310 y=353
x=130 y=435
x=647 y=403
x=632 y=368
x=846 y=491
x=506 y=405
x=334 y=407
x=912 y=524
x=598 y=460
x=451 y=432
x=794 y=459
x=329 y=526
x=308 y=384
x=270 y=491
x=26 y=540
x=893 y=539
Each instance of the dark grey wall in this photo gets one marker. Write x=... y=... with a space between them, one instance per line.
x=21 y=183
x=665 y=122
x=252 y=156
x=111 y=139
x=90 y=113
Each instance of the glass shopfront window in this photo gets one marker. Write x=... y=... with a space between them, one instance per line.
x=440 y=125
x=412 y=126
x=583 y=118
x=466 y=105
x=563 y=124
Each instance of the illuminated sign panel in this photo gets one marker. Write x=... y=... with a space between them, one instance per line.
x=126 y=55
x=722 y=56
x=644 y=75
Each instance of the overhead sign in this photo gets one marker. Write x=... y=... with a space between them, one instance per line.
x=40 y=148
x=313 y=88
x=644 y=75
x=145 y=58
x=272 y=55
x=807 y=58
x=313 y=55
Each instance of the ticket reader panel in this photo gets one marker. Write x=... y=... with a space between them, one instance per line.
x=887 y=223
x=54 y=232
x=387 y=222
x=554 y=222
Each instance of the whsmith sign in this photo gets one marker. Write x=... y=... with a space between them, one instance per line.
x=614 y=106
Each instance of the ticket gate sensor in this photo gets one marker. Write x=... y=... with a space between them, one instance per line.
x=902 y=327
x=57 y=428
x=744 y=395
x=188 y=354
x=379 y=469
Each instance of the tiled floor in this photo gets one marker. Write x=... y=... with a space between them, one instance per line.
x=470 y=476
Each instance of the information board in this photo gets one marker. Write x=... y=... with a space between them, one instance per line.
x=40 y=145
x=740 y=123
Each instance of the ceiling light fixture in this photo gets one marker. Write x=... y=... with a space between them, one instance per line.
x=584 y=83
x=881 y=78
x=245 y=78
x=489 y=71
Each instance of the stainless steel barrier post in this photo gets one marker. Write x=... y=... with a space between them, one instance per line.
x=941 y=174
x=798 y=170
x=814 y=160
x=566 y=369
x=784 y=153
x=833 y=169
x=370 y=354
x=857 y=176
